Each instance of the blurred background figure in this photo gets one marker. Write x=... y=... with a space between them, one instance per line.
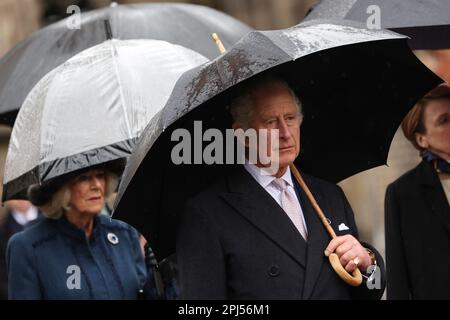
x=19 y=214
x=417 y=206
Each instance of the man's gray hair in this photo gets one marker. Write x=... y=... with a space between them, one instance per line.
x=59 y=202
x=241 y=105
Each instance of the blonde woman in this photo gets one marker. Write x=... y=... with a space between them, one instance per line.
x=75 y=252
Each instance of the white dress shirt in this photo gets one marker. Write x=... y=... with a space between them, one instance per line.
x=266 y=182
x=23 y=218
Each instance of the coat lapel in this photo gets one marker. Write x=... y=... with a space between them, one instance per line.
x=318 y=239
x=250 y=200
x=435 y=195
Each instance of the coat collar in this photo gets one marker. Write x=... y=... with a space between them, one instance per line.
x=73 y=231
x=434 y=193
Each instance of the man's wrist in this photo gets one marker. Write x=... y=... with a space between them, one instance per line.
x=372 y=256
x=373 y=261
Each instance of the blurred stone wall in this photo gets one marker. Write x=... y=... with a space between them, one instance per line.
x=18 y=19
x=266 y=14
x=259 y=14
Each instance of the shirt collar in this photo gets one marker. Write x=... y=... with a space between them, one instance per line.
x=263 y=179
x=23 y=218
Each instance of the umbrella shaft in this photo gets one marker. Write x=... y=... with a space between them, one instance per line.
x=313 y=201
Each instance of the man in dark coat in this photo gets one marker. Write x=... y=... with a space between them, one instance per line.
x=255 y=235
x=20 y=214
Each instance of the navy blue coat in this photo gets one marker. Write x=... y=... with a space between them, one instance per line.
x=44 y=261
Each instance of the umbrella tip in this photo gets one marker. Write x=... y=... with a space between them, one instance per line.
x=108 y=30
x=218 y=42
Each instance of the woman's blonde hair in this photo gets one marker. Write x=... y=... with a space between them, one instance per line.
x=59 y=201
x=413 y=122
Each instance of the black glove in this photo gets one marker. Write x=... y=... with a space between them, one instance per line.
x=154 y=288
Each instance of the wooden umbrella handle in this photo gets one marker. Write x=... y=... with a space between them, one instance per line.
x=354 y=279
x=218 y=42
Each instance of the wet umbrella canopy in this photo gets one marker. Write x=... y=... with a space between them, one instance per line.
x=427 y=22
x=355 y=85
x=184 y=24
x=90 y=109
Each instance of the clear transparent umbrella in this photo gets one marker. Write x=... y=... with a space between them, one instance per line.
x=91 y=109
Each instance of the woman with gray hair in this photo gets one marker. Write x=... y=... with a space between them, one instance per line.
x=76 y=252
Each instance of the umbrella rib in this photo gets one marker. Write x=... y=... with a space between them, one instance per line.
x=116 y=69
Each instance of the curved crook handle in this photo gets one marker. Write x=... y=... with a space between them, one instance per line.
x=354 y=279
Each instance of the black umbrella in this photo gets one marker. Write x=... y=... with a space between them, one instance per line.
x=427 y=22
x=355 y=85
x=183 y=24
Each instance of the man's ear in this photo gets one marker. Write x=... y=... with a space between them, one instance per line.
x=421 y=140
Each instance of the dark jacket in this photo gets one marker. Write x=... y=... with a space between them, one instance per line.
x=8 y=227
x=44 y=261
x=417 y=236
x=236 y=242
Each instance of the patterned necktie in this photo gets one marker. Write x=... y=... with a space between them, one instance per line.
x=290 y=205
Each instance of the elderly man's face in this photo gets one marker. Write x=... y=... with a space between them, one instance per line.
x=87 y=192
x=274 y=108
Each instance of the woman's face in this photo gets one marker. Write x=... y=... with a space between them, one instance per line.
x=436 y=119
x=88 y=192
